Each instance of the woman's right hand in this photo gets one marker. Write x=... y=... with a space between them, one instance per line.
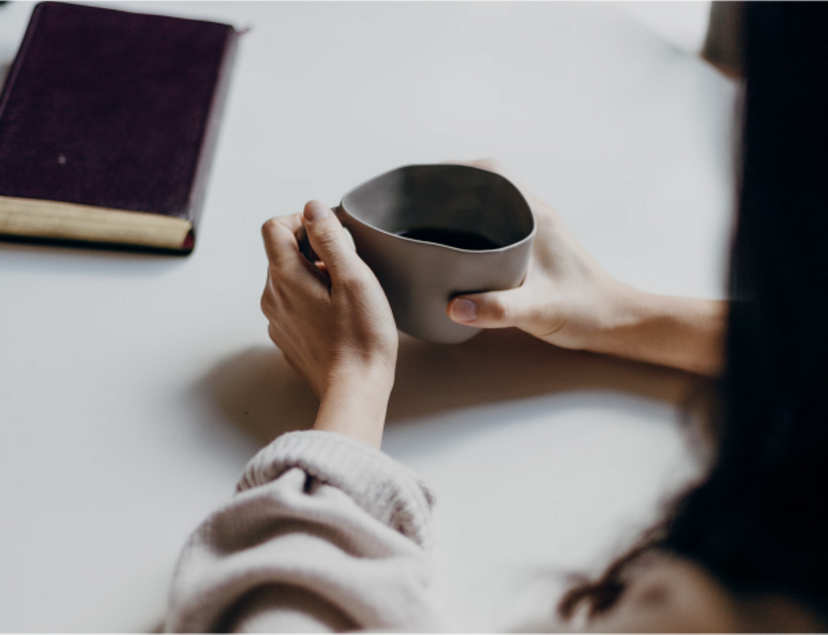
x=569 y=301
x=566 y=298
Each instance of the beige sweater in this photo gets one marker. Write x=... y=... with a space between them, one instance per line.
x=324 y=534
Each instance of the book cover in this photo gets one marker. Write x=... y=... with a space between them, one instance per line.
x=108 y=126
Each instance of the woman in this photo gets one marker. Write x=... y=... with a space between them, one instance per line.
x=328 y=533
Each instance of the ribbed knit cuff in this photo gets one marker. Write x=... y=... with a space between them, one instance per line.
x=388 y=491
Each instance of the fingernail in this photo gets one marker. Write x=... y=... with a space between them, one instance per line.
x=464 y=311
x=315 y=210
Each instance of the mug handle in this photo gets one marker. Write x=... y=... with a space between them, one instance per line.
x=304 y=244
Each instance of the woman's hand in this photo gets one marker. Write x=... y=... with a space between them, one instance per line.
x=567 y=300
x=332 y=321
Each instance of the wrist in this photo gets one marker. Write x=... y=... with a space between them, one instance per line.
x=620 y=310
x=628 y=311
x=371 y=378
x=684 y=333
x=630 y=307
x=355 y=403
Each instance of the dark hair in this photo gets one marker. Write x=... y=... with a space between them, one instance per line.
x=759 y=521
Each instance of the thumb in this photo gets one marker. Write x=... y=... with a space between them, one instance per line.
x=328 y=238
x=492 y=310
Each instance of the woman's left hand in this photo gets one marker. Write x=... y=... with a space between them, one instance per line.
x=332 y=321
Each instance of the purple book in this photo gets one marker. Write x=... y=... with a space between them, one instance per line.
x=108 y=125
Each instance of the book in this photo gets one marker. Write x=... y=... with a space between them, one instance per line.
x=108 y=126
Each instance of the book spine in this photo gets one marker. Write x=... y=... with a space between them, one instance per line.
x=211 y=134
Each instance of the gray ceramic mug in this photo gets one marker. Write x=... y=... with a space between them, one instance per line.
x=419 y=277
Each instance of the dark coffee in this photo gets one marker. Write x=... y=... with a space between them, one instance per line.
x=450 y=237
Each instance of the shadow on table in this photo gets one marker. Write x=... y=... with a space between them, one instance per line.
x=34 y=255
x=259 y=392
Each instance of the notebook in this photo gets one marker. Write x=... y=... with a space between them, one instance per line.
x=108 y=127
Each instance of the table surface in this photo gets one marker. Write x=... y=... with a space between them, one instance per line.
x=134 y=388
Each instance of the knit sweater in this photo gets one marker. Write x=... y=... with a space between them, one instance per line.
x=324 y=533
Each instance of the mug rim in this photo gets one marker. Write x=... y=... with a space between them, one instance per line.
x=529 y=237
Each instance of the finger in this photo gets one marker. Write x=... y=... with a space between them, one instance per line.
x=492 y=310
x=328 y=240
x=293 y=222
x=279 y=241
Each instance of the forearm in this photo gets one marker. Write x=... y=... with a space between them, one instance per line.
x=683 y=333
x=355 y=405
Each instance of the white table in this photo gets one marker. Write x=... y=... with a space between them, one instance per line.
x=134 y=388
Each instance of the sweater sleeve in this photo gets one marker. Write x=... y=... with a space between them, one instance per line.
x=324 y=534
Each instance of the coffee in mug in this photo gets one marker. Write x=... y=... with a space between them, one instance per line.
x=449 y=237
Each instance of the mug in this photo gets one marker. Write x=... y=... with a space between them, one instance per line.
x=401 y=222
